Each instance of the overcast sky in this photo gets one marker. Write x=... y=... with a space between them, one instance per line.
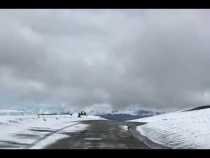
x=155 y=59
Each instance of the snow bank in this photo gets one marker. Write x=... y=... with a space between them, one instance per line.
x=178 y=130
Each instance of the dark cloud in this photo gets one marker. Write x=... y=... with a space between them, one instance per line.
x=113 y=58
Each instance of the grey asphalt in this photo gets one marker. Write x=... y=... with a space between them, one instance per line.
x=101 y=134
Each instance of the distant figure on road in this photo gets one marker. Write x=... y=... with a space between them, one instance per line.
x=82 y=113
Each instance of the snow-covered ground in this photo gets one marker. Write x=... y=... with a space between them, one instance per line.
x=58 y=135
x=22 y=131
x=178 y=130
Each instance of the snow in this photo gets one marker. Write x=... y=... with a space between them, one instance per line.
x=178 y=130
x=20 y=131
x=59 y=135
x=10 y=112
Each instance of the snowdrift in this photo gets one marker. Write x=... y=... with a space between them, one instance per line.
x=178 y=130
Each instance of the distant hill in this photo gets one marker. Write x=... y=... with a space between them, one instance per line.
x=199 y=108
x=128 y=116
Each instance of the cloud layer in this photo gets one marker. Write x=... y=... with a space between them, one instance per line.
x=81 y=58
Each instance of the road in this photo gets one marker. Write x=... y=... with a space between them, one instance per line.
x=101 y=134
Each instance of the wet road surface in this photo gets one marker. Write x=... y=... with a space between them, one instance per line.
x=101 y=134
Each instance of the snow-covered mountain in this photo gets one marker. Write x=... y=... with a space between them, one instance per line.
x=128 y=115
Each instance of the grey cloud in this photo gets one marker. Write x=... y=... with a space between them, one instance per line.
x=81 y=58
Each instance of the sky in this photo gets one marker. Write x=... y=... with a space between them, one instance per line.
x=104 y=59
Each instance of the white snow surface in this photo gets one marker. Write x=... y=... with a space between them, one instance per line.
x=59 y=135
x=10 y=112
x=20 y=131
x=178 y=130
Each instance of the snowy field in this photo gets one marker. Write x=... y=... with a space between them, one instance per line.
x=178 y=130
x=31 y=131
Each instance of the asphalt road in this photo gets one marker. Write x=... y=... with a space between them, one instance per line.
x=101 y=134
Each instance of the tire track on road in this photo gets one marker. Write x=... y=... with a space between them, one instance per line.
x=49 y=134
